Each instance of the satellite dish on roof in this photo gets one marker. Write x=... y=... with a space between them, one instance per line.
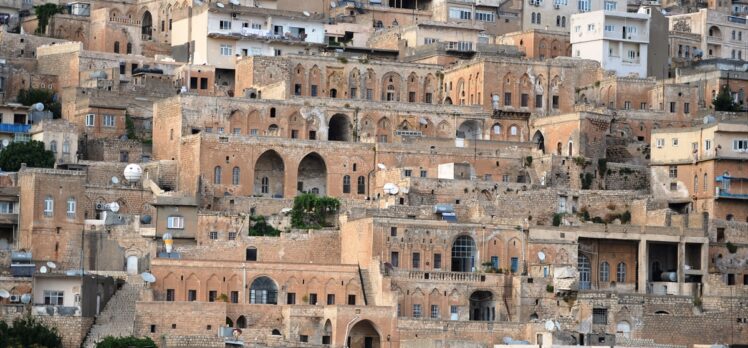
x=423 y=121
x=43 y=269
x=391 y=188
x=333 y=4
x=38 y=107
x=4 y=293
x=306 y=13
x=381 y=166
x=147 y=277
x=6 y=142
x=51 y=265
x=133 y=172
x=115 y=180
x=541 y=256
x=114 y=207
x=549 y=325
x=220 y=5
x=709 y=119
x=26 y=298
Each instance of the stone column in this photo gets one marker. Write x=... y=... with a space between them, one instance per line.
x=681 y=266
x=643 y=262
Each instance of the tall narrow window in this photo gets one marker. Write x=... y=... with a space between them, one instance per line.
x=621 y=272
x=361 y=185
x=217 y=175
x=604 y=271
x=235 y=175
x=265 y=184
x=49 y=206
x=71 y=208
x=346 y=184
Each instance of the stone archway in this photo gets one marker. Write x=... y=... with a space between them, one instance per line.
x=146 y=25
x=364 y=334
x=539 y=140
x=339 y=128
x=463 y=254
x=269 y=174
x=312 y=175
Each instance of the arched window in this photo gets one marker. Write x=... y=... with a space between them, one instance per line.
x=513 y=130
x=129 y=48
x=235 y=176
x=361 y=185
x=538 y=18
x=66 y=147
x=346 y=184
x=49 y=206
x=621 y=273
x=583 y=265
x=532 y=18
x=263 y=291
x=116 y=47
x=695 y=183
x=563 y=22
x=604 y=271
x=53 y=146
x=463 y=254
x=497 y=129
x=265 y=184
x=71 y=208
x=217 y=175
x=558 y=21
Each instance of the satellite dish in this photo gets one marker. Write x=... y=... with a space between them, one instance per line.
x=4 y=293
x=147 y=277
x=549 y=325
x=333 y=4
x=6 y=142
x=146 y=219
x=38 y=107
x=51 y=265
x=115 y=180
x=167 y=236
x=306 y=13
x=72 y=272
x=197 y=2
x=43 y=269
x=285 y=210
x=381 y=166
x=114 y=207
x=423 y=121
x=391 y=188
x=133 y=172
x=541 y=256
x=234 y=2
x=220 y=5
x=26 y=298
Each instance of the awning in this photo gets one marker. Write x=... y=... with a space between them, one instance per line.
x=451 y=217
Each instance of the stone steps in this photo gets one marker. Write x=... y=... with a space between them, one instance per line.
x=368 y=289
x=118 y=317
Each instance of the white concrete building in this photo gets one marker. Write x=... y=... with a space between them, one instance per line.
x=556 y=14
x=219 y=33
x=618 y=40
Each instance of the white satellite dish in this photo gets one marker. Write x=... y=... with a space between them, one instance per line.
x=43 y=269
x=391 y=188
x=549 y=325
x=147 y=277
x=234 y=2
x=115 y=180
x=381 y=166
x=333 y=4
x=133 y=173
x=306 y=13
x=286 y=210
x=51 y=265
x=39 y=107
x=6 y=142
x=197 y=2
x=541 y=256
x=26 y=298
x=423 y=121
x=220 y=5
x=114 y=207
x=4 y=293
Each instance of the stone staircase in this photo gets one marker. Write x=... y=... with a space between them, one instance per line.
x=368 y=289
x=118 y=317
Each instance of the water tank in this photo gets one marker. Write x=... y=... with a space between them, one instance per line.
x=145 y=219
x=669 y=276
x=133 y=172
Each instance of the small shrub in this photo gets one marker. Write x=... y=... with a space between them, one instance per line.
x=343 y=60
x=580 y=161
x=586 y=180
x=602 y=166
x=528 y=160
x=732 y=248
x=223 y=298
x=598 y=220
x=259 y=227
x=586 y=215
x=549 y=288
x=626 y=217
x=557 y=219
x=610 y=217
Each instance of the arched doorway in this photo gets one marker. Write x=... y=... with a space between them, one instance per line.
x=312 y=176
x=623 y=329
x=263 y=291
x=241 y=322
x=132 y=265
x=583 y=264
x=339 y=128
x=463 y=254
x=327 y=332
x=269 y=175
x=482 y=306
x=539 y=140
x=146 y=25
x=469 y=129
x=363 y=335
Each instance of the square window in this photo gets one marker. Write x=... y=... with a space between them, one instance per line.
x=435 y=312
x=232 y=235
x=600 y=316
x=234 y=297
x=170 y=295
x=352 y=300
x=437 y=261
x=330 y=299
x=312 y=299
x=212 y=295
x=90 y=120
x=416 y=311
x=303 y=338
x=213 y=235
x=191 y=295
x=416 y=260
x=393 y=231
x=291 y=298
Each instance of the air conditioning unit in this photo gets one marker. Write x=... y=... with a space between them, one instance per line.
x=100 y=206
x=15 y=298
x=556 y=6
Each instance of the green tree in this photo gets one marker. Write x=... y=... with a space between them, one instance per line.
x=312 y=211
x=723 y=101
x=43 y=14
x=31 y=152
x=40 y=95
x=126 y=342
x=27 y=333
x=259 y=227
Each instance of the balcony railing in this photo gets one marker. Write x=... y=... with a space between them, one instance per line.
x=713 y=39
x=14 y=128
x=51 y=310
x=438 y=276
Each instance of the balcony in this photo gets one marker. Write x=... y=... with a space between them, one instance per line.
x=14 y=128
x=437 y=276
x=51 y=310
x=714 y=39
x=729 y=182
